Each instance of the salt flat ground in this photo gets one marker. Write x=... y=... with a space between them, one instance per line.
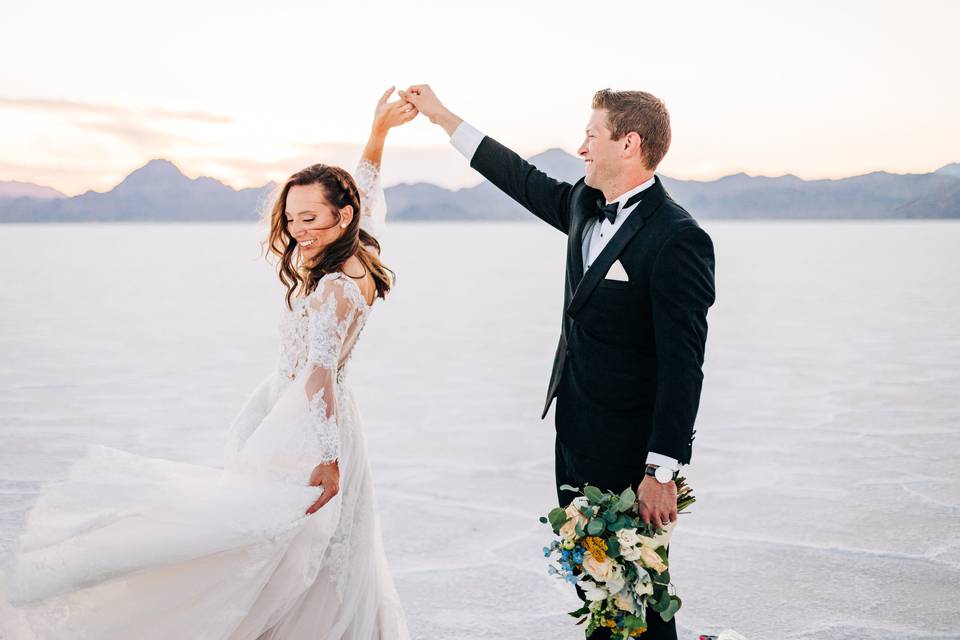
x=827 y=446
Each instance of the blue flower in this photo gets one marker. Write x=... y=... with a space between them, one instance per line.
x=546 y=552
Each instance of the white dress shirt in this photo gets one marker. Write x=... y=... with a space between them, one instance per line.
x=467 y=139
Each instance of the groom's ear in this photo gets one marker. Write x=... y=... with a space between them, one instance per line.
x=632 y=144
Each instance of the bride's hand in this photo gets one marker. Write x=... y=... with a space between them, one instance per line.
x=392 y=114
x=328 y=477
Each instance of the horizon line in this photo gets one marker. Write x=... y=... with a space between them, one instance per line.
x=411 y=183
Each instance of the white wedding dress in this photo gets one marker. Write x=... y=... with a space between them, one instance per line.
x=130 y=547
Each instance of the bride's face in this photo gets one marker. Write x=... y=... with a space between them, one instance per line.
x=312 y=221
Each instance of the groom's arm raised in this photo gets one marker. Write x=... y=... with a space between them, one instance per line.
x=538 y=193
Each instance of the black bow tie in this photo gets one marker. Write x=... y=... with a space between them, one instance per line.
x=609 y=211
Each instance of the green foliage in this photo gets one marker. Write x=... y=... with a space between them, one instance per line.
x=605 y=513
x=591 y=627
x=595 y=527
x=593 y=494
x=557 y=517
x=660 y=600
x=671 y=609
x=613 y=546
x=632 y=622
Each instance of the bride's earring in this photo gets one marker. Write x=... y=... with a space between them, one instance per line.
x=343 y=226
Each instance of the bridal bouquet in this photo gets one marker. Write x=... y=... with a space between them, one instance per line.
x=618 y=560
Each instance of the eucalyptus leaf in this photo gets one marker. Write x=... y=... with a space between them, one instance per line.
x=595 y=527
x=613 y=546
x=674 y=606
x=557 y=517
x=627 y=499
x=566 y=487
x=662 y=601
x=593 y=494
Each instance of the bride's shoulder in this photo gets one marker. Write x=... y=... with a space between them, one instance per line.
x=338 y=284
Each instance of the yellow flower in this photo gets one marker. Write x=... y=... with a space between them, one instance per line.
x=597 y=547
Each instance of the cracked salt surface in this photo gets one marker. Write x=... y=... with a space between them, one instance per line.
x=827 y=443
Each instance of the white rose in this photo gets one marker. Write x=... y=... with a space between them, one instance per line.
x=580 y=501
x=615 y=581
x=630 y=553
x=663 y=539
x=592 y=591
x=644 y=585
x=628 y=537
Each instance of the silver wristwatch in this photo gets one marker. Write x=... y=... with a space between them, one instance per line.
x=663 y=475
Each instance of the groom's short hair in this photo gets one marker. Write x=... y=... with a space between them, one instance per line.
x=637 y=111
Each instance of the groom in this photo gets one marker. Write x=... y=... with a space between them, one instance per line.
x=639 y=280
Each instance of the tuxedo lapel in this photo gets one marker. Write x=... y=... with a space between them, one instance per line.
x=652 y=197
x=575 y=250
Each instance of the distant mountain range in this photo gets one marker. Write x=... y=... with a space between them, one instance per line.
x=158 y=191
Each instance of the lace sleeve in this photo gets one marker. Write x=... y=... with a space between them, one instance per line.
x=332 y=311
x=373 y=203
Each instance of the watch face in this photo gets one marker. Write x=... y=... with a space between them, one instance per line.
x=663 y=475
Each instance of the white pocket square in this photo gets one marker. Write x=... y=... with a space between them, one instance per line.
x=617 y=272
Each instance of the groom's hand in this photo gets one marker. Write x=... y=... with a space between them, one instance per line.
x=426 y=101
x=657 y=503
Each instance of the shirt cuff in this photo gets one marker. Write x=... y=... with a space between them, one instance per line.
x=466 y=139
x=663 y=461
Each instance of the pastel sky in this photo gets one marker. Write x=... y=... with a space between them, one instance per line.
x=247 y=92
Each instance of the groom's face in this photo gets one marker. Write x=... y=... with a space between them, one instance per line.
x=601 y=155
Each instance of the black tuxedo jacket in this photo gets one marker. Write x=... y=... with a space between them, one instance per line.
x=628 y=369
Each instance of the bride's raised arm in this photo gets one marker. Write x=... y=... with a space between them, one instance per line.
x=373 y=204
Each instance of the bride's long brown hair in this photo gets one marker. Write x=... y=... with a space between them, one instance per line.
x=340 y=190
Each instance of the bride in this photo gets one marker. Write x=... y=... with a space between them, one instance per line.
x=282 y=543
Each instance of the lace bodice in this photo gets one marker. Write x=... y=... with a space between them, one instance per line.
x=317 y=336
x=316 y=339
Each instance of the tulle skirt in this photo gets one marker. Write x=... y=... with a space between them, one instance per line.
x=132 y=547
